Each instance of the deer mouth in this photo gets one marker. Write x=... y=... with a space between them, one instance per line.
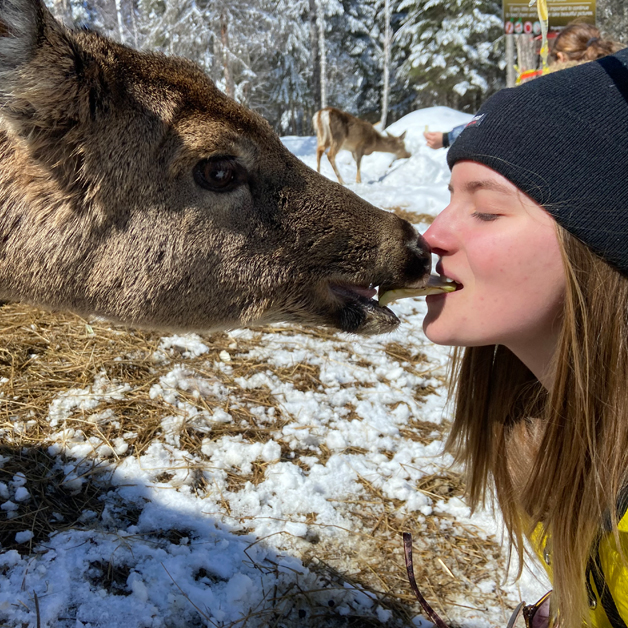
x=360 y=312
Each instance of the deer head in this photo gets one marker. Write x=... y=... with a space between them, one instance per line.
x=132 y=188
x=397 y=145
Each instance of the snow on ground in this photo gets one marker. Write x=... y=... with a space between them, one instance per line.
x=236 y=544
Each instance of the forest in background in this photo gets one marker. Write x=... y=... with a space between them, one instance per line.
x=267 y=53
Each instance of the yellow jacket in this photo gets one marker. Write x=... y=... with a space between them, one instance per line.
x=608 y=593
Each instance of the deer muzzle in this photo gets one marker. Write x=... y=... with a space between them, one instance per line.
x=360 y=312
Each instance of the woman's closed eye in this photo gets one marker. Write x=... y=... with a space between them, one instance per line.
x=485 y=217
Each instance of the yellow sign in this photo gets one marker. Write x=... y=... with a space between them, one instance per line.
x=520 y=17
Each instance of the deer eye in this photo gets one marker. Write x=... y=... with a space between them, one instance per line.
x=219 y=174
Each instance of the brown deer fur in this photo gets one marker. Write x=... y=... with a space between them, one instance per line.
x=337 y=129
x=106 y=155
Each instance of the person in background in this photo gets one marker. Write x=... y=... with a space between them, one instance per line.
x=576 y=43
x=436 y=139
x=579 y=42
x=536 y=239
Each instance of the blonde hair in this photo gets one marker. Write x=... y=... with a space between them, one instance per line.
x=583 y=42
x=579 y=462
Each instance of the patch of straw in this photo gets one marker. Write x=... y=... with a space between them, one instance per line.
x=46 y=354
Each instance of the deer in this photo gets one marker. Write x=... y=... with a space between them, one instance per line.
x=336 y=129
x=132 y=189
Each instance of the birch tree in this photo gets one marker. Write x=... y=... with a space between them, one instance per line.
x=225 y=53
x=315 y=71
x=386 y=63
x=320 y=22
x=120 y=20
x=62 y=10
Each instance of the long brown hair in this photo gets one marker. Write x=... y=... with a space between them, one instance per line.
x=579 y=462
x=583 y=42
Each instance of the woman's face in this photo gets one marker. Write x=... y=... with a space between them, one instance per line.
x=501 y=247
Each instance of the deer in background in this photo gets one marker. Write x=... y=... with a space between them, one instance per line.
x=133 y=189
x=337 y=129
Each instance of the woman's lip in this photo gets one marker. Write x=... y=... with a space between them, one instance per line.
x=436 y=297
x=446 y=276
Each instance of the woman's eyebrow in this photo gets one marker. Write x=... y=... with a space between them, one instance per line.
x=485 y=184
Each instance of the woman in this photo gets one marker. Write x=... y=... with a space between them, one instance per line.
x=536 y=237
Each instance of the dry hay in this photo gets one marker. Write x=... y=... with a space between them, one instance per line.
x=411 y=216
x=43 y=354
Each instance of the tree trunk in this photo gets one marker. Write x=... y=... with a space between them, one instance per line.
x=63 y=11
x=120 y=20
x=133 y=23
x=315 y=55
x=224 y=39
x=320 y=20
x=216 y=71
x=526 y=52
x=387 y=45
x=510 y=61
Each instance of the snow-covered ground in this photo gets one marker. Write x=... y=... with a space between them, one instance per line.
x=203 y=550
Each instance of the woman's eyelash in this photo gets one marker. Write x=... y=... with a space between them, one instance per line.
x=485 y=217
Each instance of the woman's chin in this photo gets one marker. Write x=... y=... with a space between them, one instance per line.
x=433 y=333
x=441 y=331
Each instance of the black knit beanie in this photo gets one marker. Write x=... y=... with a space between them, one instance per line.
x=563 y=140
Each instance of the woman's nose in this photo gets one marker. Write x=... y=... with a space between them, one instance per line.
x=439 y=235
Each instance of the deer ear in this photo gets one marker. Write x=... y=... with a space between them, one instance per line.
x=403 y=135
x=21 y=23
x=46 y=80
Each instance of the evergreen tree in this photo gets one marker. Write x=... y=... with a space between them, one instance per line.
x=357 y=44
x=612 y=19
x=290 y=101
x=180 y=28
x=265 y=53
x=453 y=51
x=355 y=74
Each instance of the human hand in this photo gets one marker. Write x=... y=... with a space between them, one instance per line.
x=434 y=139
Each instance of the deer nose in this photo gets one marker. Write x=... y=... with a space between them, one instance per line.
x=420 y=263
x=418 y=258
x=420 y=246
